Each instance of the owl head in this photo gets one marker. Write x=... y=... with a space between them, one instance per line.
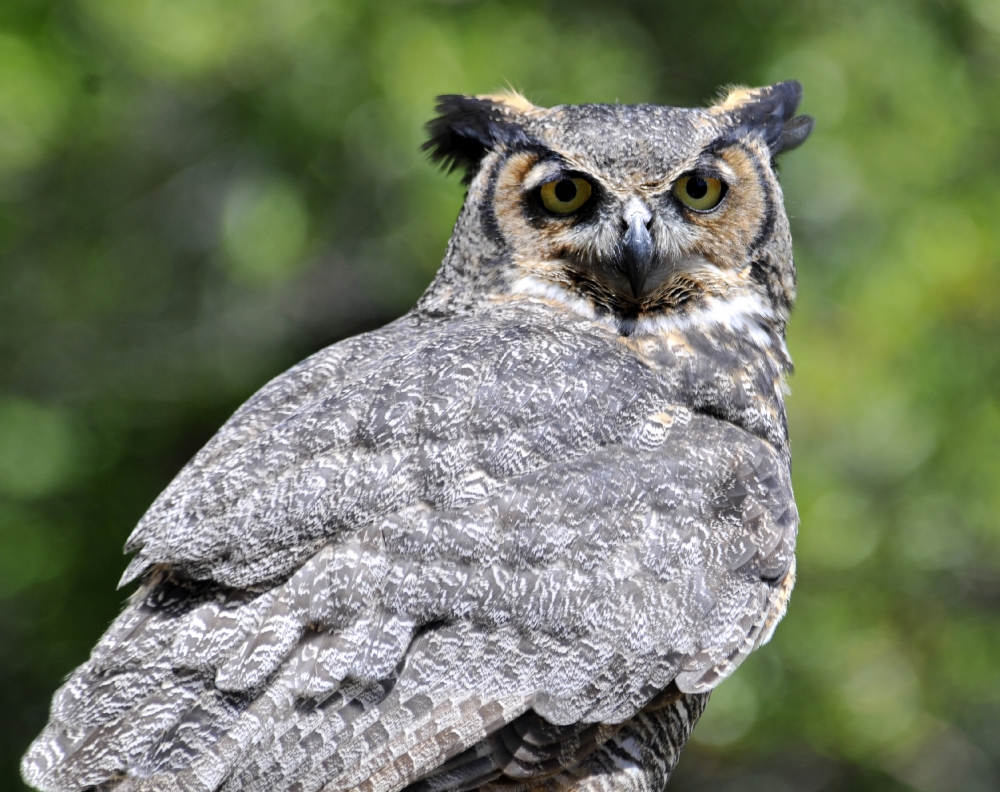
x=637 y=215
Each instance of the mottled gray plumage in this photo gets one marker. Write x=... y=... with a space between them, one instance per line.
x=511 y=540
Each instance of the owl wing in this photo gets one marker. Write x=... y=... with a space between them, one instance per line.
x=410 y=541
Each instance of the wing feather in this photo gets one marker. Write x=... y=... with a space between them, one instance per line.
x=411 y=540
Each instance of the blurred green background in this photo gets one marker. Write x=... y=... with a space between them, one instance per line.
x=194 y=194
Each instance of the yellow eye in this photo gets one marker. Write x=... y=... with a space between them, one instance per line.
x=700 y=193
x=566 y=195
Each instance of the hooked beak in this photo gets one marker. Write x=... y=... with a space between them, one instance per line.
x=637 y=245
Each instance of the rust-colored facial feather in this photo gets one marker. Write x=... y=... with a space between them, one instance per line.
x=695 y=253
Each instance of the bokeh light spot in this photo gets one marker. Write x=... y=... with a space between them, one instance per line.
x=31 y=551
x=32 y=104
x=838 y=531
x=264 y=230
x=36 y=449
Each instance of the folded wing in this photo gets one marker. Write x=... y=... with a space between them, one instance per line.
x=414 y=542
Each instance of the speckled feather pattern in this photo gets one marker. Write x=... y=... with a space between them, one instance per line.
x=499 y=545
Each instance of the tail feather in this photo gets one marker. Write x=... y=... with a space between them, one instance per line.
x=639 y=757
x=528 y=748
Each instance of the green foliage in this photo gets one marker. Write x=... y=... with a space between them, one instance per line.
x=196 y=193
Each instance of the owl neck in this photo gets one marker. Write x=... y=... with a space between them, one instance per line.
x=476 y=262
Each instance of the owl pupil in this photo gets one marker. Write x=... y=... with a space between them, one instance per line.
x=696 y=187
x=565 y=191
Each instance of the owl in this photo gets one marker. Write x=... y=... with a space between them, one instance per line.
x=510 y=541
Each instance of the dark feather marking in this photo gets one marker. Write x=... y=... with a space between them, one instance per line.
x=583 y=278
x=487 y=212
x=772 y=115
x=766 y=227
x=466 y=128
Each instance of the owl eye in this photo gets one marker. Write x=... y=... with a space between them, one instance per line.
x=565 y=195
x=701 y=193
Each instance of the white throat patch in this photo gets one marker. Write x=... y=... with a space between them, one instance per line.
x=746 y=315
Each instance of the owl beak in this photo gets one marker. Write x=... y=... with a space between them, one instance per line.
x=637 y=245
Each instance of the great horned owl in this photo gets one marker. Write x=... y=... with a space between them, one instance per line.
x=511 y=540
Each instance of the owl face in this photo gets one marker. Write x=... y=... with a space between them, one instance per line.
x=633 y=213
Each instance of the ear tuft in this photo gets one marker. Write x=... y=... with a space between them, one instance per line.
x=467 y=127
x=794 y=134
x=771 y=112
